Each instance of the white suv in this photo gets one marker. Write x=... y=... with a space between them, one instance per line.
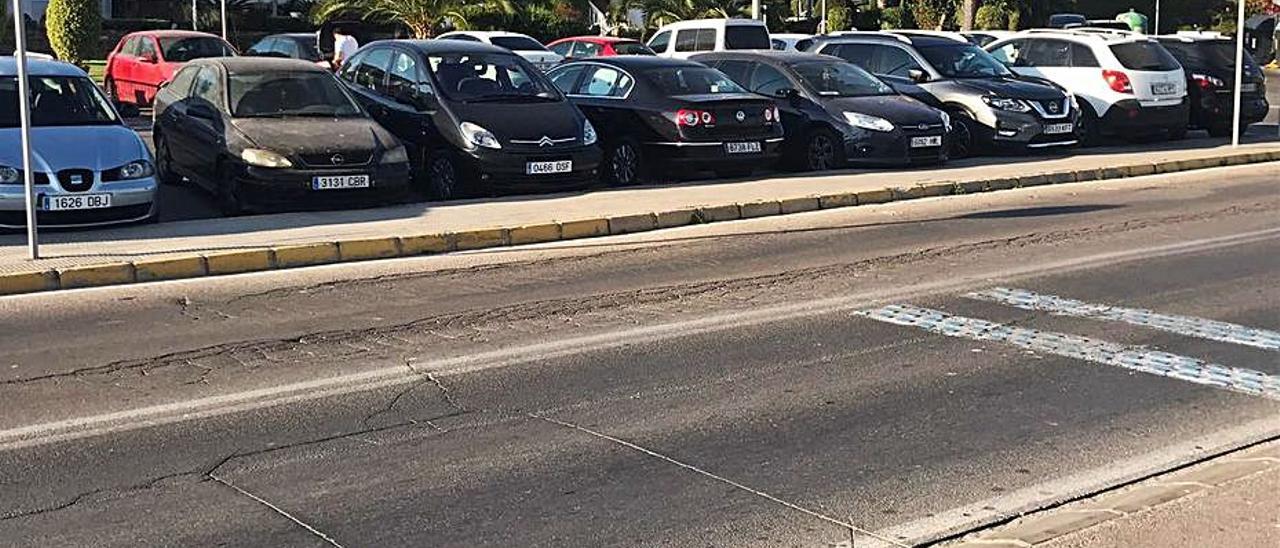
x=1125 y=83
x=688 y=38
x=519 y=44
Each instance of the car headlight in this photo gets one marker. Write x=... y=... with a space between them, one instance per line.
x=264 y=158
x=479 y=137
x=398 y=155
x=1005 y=103
x=8 y=175
x=140 y=169
x=946 y=120
x=589 y=136
x=864 y=121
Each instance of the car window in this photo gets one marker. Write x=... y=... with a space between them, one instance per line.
x=1145 y=56
x=587 y=49
x=288 y=48
x=687 y=40
x=660 y=42
x=963 y=60
x=1047 y=53
x=565 y=78
x=130 y=46
x=740 y=71
x=706 y=40
x=181 y=83
x=351 y=67
x=208 y=86
x=289 y=94
x=1012 y=53
x=839 y=79
x=746 y=37
x=180 y=49
x=779 y=45
x=691 y=81
x=461 y=38
x=562 y=49
x=767 y=80
x=895 y=61
x=372 y=72
x=863 y=55
x=480 y=77
x=605 y=82
x=405 y=83
x=146 y=46
x=517 y=43
x=632 y=48
x=1082 y=56
x=56 y=101
x=264 y=46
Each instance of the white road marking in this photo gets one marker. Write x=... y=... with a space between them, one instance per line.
x=1164 y=364
x=1181 y=325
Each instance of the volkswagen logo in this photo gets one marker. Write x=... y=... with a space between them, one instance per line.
x=546 y=142
x=338 y=159
x=741 y=116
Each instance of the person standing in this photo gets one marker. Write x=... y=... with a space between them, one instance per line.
x=344 y=46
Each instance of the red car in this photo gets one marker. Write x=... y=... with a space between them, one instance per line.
x=143 y=61
x=581 y=47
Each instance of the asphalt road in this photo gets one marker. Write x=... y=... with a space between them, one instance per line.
x=793 y=381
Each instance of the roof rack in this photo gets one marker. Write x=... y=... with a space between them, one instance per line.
x=890 y=34
x=1089 y=32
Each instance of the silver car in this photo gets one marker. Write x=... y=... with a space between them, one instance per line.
x=90 y=169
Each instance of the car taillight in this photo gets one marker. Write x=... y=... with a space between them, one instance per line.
x=694 y=118
x=1207 y=82
x=1118 y=81
x=772 y=115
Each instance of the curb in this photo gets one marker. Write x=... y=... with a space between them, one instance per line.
x=258 y=259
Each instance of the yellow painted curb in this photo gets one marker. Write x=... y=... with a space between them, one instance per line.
x=95 y=276
x=1003 y=183
x=971 y=187
x=425 y=244
x=1060 y=178
x=479 y=239
x=754 y=210
x=28 y=282
x=154 y=270
x=1142 y=170
x=1169 y=166
x=935 y=190
x=1032 y=180
x=364 y=250
x=832 y=201
x=909 y=193
x=535 y=234
x=236 y=262
x=628 y=224
x=715 y=214
x=306 y=254
x=584 y=229
x=677 y=218
x=1086 y=175
x=875 y=196
x=800 y=205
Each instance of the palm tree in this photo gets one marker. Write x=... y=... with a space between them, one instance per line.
x=423 y=18
x=663 y=12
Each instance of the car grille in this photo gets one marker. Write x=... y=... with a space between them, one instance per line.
x=336 y=159
x=75 y=180
x=1056 y=108
x=87 y=216
x=544 y=144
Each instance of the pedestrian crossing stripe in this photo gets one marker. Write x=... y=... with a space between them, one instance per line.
x=1164 y=364
x=1181 y=325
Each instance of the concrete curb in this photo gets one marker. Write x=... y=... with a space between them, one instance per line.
x=293 y=256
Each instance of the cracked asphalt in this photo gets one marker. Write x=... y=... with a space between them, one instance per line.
x=706 y=386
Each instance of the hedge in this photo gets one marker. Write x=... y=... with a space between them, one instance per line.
x=74 y=28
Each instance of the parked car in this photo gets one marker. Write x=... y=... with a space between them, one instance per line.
x=835 y=113
x=142 y=61
x=520 y=44
x=302 y=45
x=1063 y=20
x=788 y=42
x=1125 y=83
x=263 y=133
x=981 y=38
x=656 y=113
x=1100 y=24
x=89 y=168
x=989 y=105
x=687 y=38
x=477 y=118
x=1209 y=61
x=583 y=47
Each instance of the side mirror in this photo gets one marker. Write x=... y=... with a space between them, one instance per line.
x=202 y=111
x=918 y=76
x=128 y=110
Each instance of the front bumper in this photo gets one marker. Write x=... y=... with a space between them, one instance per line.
x=1132 y=118
x=131 y=201
x=284 y=189
x=893 y=148
x=1027 y=130
x=505 y=171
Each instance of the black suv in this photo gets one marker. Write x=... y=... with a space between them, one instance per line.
x=990 y=106
x=1209 y=62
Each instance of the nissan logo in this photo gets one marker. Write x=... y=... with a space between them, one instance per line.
x=741 y=116
x=338 y=159
x=1053 y=107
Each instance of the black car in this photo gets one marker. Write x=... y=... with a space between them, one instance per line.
x=656 y=113
x=477 y=118
x=1209 y=62
x=262 y=133
x=835 y=113
x=990 y=106
x=302 y=46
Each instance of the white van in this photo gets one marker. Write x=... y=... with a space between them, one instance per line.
x=688 y=38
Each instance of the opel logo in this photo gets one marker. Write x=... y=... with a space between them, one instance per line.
x=741 y=116
x=546 y=142
x=338 y=159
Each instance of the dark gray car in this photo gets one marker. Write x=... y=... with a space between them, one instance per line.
x=991 y=106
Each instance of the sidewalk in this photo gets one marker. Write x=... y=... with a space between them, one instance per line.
x=223 y=246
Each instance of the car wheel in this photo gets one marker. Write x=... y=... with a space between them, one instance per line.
x=228 y=194
x=442 y=176
x=164 y=162
x=1089 y=128
x=962 y=135
x=820 y=150
x=624 y=165
x=109 y=87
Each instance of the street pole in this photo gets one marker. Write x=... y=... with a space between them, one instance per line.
x=195 y=16
x=755 y=9
x=1156 y=31
x=24 y=115
x=224 y=19
x=824 y=30
x=1235 y=116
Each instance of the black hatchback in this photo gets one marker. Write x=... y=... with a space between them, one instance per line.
x=836 y=113
x=1209 y=61
x=477 y=118
x=656 y=113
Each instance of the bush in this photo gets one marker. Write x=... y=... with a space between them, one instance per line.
x=838 y=18
x=1015 y=20
x=992 y=17
x=899 y=17
x=74 y=27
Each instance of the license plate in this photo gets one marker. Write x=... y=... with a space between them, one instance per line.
x=82 y=201
x=548 y=168
x=742 y=148
x=339 y=182
x=1165 y=88
x=1249 y=88
x=926 y=142
x=1058 y=129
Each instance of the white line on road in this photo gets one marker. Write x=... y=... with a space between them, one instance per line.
x=1164 y=364
x=1180 y=325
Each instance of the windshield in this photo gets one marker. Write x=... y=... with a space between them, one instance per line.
x=691 y=81
x=1218 y=54
x=517 y=43
x=473 y=77
x=279 y=94
x=963 y=61
x=56 y=101
x=632 y=48
x=746 y=37
x=840 y=79
x=1146 y=56
x=181 y=50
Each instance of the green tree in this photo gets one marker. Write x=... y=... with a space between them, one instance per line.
x=74 y=28
x=838 y=18
x=423 y=18
x=665 y=12
x=992 y=16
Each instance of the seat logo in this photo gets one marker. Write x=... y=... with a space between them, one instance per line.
x=741 y=116
x=546 y=142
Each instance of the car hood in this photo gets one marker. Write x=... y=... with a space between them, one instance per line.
x=314 y=135
x=899 y=109
x=523 y=121
x=58 y=148
x=1009 y=87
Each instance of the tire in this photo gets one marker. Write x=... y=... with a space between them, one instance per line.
x=624 y=165
x=963 y=135
x=227 y=193
x=1089 y=128
x=164 y=162
x=109 y=87
x=821 y=151
x=442 y=176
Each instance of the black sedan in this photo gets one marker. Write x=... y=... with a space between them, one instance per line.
x=298 y=45
x=1209 y=63
x=263 y=133
x=654 y=113
x=836 y=113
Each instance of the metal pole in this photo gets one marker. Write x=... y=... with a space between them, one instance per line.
x=1156 y=30
x=755 y=9
x=195 y=16
x=825 y=30
x=224 y=19
x=1235 y=116
x=24 y=114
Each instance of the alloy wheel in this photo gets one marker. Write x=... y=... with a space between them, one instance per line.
x=822 y=152
x=624 y=164
x=443 y=177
